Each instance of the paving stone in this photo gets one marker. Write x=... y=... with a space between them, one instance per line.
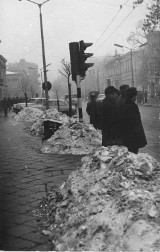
x=44 y=247
x=35 y=237
x=32 y=223
x=17 y=244
x=38 y=195
x=21 y=218
x=20 y=230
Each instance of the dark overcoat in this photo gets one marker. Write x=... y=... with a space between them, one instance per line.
x=93 y=110
x=133 y=132
x=110 y=122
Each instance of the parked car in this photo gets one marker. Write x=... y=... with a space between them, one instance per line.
x=63 y=106
x=38 y=102
x=100 y=97
x=33 y=102
x=73 y=98
x=19 y=106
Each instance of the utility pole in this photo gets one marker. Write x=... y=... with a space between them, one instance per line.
x=43 y=52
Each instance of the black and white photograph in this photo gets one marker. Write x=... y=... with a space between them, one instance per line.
x=80 y=125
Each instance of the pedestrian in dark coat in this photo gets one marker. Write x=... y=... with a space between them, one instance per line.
x=93 y=110
x=122 y=96
x=5 y=106
x=134 y=136
x=110 y=118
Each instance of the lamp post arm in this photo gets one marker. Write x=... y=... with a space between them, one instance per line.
x=33 y=2
x=44 y=2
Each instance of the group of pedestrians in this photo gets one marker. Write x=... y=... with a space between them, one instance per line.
x=118 y=117
x=8 y=103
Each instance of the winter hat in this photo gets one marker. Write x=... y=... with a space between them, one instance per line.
x=131 y=92
x=110 y=90
x=123 y=87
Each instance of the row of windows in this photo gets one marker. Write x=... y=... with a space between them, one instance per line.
x=123 y=67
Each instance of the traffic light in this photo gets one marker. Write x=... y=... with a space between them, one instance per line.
x=83 y=57
x=75 y=59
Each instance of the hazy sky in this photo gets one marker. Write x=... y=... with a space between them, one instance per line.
x=64 y=21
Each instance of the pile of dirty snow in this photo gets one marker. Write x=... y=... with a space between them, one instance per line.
x=111 y=202
x=28 y=114
x=36 y=118
x=73 y=138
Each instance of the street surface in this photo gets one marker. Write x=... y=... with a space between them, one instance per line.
x=26 y=174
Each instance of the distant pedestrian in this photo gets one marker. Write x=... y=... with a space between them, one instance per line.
x=145 y=96
x=93 y=110
x=9 y=104
x=110 y=118
x=5 y=107
x=133 y=132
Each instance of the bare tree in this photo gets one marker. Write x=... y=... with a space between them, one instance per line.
x=152 y=20
x=137 y=37
x=24 y=86
x=32 y=91
x=66 y=72
x=56 y=89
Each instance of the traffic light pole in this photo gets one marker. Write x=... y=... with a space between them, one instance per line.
x=78 y=82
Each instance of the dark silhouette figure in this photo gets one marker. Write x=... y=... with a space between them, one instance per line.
x=145 y=96
x=9 y=104
x=5 y=107
x=122 y=96
x=133 y=132
x=110 y=118
x=93 y=110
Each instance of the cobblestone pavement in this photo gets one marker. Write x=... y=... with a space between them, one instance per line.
x=24 y=172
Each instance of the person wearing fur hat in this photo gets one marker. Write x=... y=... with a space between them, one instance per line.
x=110 y=118
x=133 y=132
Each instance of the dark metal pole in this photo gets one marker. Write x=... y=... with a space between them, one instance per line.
x=44 y=59
x=78 y=82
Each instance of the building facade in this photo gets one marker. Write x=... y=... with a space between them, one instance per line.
x=124 y=69
x=139 y=68
x=22 y=77
x=152 y=49
x=3 y=82
x=17 y=84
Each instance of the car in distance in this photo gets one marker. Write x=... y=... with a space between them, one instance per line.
x=33 y=102
x=63 y=106
x=40 y=103
x=100 y=97
x=73 y=98
x=20 y=106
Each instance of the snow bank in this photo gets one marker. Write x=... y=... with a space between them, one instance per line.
x=73 y=138
x=110 y=202
x=36 y=117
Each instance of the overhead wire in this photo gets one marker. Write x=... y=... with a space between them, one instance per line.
x=114 y=30
x=96 y=2
x=121 y=6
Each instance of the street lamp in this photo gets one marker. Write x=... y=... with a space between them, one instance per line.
x=121 y=46
x=43 y=52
